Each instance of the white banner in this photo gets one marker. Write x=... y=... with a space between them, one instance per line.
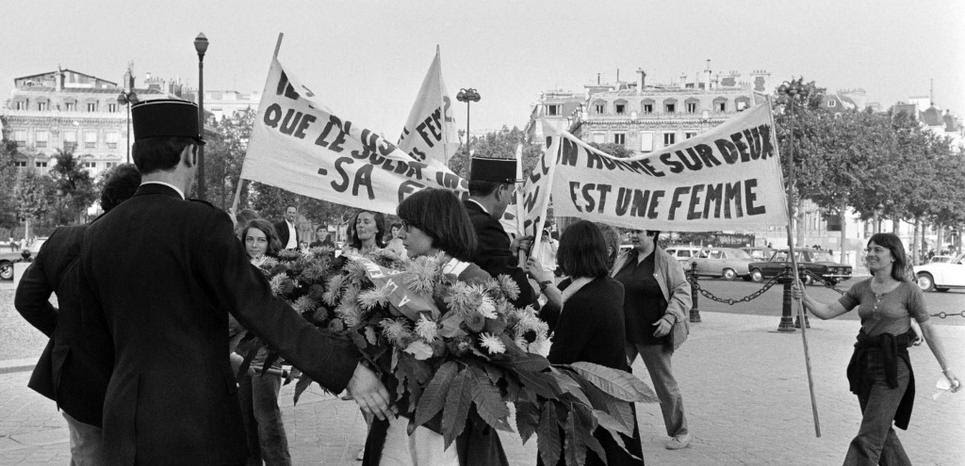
x=430 y=130
x=304 y=148
x=728 y=178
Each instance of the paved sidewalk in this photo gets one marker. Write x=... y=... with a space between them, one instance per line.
x=744 y=386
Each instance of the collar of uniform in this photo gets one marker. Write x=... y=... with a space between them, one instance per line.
x=480 y=205
x=169 y=185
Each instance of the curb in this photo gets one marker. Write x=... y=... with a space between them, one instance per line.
x=17 y=365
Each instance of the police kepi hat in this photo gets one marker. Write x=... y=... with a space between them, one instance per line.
x=162 y=118
x=492 y=169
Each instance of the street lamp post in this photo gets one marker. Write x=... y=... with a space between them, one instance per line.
x=790 y=93
x=201 y=46
x=467 y=95
x=128 y=97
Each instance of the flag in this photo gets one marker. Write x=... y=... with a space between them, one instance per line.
x=430 y=130
x=301 y=146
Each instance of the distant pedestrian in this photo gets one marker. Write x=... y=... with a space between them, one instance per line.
x=287 y=229
x=880 y=372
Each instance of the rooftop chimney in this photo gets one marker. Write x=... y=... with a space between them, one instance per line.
x=643 y=79
x=707 y=76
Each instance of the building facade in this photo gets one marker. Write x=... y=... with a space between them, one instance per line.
x=74 y=112
x=224 y=104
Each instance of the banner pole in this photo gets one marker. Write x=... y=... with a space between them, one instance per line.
x=794 y=267
x=241 y=181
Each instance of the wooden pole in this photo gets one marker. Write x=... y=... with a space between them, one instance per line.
x=797 y=303
x=241 y=181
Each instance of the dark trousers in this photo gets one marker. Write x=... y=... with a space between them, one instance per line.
x=876 y=442
x=263 y=424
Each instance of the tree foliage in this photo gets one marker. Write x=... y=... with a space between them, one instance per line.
x=74 y=188
x=8 y=177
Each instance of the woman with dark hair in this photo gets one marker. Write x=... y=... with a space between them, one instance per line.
x=592 y=315
x=435 y=224
x=365 y=232
x=657 y=298
x=879 y=372
x=257 y=391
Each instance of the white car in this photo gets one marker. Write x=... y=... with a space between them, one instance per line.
x=684 y=254
x=940 y=276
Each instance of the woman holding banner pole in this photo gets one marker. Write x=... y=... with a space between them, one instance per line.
x=880 y=372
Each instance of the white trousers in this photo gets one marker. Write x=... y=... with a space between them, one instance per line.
x=423 y=448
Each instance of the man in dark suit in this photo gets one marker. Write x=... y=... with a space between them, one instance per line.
x=286 y=229
x=76 y=364
x=165 y=272
x=491 y=185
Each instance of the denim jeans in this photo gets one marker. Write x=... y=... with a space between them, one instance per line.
x=657 y=360
x=263 y=424
x=876 y=442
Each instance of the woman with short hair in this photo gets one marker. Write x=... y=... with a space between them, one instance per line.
x=591 y=315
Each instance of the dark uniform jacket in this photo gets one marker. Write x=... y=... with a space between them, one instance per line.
x=282 y=229
x=76 y=364
x=165 y=273
x=493 y=254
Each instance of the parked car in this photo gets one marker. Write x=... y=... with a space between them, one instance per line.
x=818 y=263
x=941 y=258
x=684 y=253
x=760 y=253
x=940 y=276
x=726 y=263
x=8 y=258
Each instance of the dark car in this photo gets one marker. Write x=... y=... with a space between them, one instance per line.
x=818 y=263
x=6 y=264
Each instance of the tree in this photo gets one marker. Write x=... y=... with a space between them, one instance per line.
x=225 y=155
x=32 y=193
x=74 y=188
x=616 y=150
x=8 y=177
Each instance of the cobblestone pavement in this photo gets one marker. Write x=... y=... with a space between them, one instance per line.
x=744 y=387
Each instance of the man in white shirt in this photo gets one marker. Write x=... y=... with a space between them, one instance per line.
x=287 y=233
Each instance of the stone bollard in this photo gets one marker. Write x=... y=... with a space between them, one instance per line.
x=787 y=322
x=694 y=311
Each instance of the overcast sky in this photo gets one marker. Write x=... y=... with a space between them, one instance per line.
x=366 y=59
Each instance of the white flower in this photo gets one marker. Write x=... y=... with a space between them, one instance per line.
x=487 y=308
x=420 y=350
x=427 y=329
x=349 y=314
x=304 y=304
x=394 y=329
x=492 y=343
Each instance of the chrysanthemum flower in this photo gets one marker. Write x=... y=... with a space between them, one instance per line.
x=509 y=286
x=422 y=274
x=426 y=328
x=394 y=329
x=281 y=284
x=491 y=343
x=304 y=304
x=334 y=292
x=349 y=313
x=371 y=298
x=487 y=308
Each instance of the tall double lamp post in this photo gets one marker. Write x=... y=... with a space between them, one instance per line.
x=128 y=97
x=201 y=46
x=467 y=95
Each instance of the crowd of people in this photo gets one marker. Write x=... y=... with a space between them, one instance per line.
x=156 y=294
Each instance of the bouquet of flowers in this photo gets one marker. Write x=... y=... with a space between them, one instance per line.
x=451 y=349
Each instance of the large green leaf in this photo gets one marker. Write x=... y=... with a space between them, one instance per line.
x=527 y=420
x=548 y=440
x=571 y=387
x=615 y=382
x=458 y=401
x=574 y=448
x=542 y=383
x=489 y=404
x=434 y=397
x=621 y=411
x=586 y=426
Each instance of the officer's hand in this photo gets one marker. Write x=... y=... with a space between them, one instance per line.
x=536 y=270
x=368 y=391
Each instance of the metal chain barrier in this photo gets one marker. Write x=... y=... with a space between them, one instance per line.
x=943 y=314
x=732 y=301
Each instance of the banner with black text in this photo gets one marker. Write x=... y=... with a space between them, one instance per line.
x=728 y=178
x=302 y=147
